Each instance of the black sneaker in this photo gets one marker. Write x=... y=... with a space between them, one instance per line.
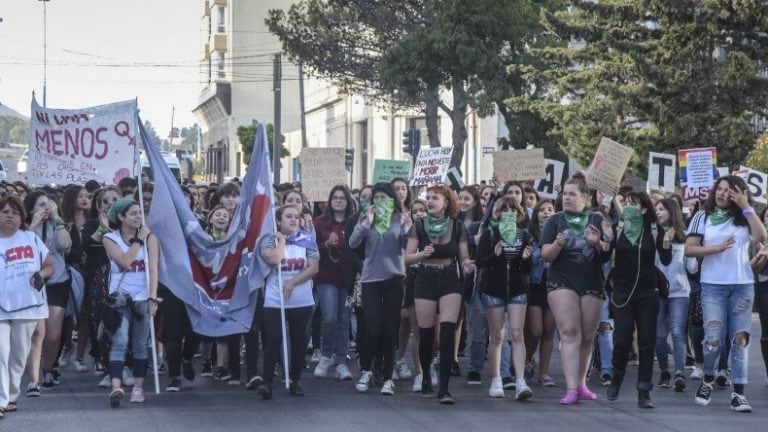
x=721 y=379
x=664 y=379
x=455 y=369
x=56 y=377
x=47 y=380
x=679 y=383
x=254 y=383
x=33 y=389
x=606 y=379
x=207 y=370
x=704 y=393
x=473 y=378
x=444 y=397
x=739 y=403
x=426 y=387
x=174 y=385
x=221 y=373
x=508 y=383
x=188 y=370
x=265 y=391
x=295 y=389
x=530 y=371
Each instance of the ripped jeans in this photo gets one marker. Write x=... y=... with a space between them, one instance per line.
x=727 y=312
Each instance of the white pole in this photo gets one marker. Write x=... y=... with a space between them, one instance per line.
x=153 y=341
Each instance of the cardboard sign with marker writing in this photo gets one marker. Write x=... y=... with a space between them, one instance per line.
x=519 y=165
x=431 y=165
x=554 y=176
x=608 y=166
x=661 y=172
x=384 y=170
x=321 y=170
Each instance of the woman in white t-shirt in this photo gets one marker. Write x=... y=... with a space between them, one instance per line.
x=720 y=235
x=23 y=269
x=296 y=252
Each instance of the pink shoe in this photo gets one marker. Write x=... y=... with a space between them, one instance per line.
x=571 y=398
x=585 y=394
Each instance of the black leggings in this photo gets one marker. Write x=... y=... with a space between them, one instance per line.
x=761 y=301
x=181 y=343
x=296 y=320
x=381 y=304
x=640 y=314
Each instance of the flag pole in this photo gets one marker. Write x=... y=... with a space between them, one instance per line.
x=153 y=340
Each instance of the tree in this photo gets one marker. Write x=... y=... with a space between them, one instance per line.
x=190 y=136
x=758 y=157
x=247 y=135
x=14 y=130
x=644 y=74
x=152 y=133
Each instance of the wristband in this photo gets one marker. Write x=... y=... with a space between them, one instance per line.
x=103 y=230
x=748 y=211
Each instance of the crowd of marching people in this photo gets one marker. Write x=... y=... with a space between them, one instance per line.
x=389 y=284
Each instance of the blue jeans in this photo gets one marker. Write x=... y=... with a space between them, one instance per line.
x=477 y=333
x=490 y=301
x=336 y=316
x=605 y=340
x=134 y=323
x=727 y=311
x=676 y=309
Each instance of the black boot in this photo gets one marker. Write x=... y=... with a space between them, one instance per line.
x=644 y=399
x=612 y=393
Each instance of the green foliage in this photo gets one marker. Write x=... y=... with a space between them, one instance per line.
x=247 y=135
x=14 y=130
x=153 y=133
x=758 y=157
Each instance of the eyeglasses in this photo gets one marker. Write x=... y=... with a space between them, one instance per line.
x=339 y=198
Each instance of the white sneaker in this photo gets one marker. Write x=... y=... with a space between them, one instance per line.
x=417 y=383
x=388 y=388
x=523 y=392
x=321 y=371
x=364 y=382
x=106 y=382
x=697 y=374
x=496 y=390
x=402 y=370
x=316 y=355
x=342 y=372
x=127 y=376
x=80 y=366
x=64 y=358
x=433 y=371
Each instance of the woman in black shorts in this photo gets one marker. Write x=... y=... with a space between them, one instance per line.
x=438 y=243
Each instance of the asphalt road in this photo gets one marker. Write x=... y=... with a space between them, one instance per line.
x=330 y=405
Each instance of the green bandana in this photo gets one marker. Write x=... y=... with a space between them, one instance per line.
x=508 y=226
x=384 y=207
x=542 y=224
x=577 y=221
x=717 y=216
x=436 y=227
x=217 y=235
x=118 y=207
x=364 y=205
x=633 y=224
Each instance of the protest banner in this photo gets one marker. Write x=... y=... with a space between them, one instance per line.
x=698 y=167
x=431 y=165
x=321 y=170
x=757 y=182
x=608 y=166
x=72 y=146
x=384 y=170
x=661 y=172
x=518 y=165
x=554 y=176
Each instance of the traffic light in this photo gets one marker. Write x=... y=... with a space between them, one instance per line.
x=408 y=142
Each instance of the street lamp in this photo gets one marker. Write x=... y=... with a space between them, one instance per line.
x=45 y=51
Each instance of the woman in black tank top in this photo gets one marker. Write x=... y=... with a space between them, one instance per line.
x=438 y=243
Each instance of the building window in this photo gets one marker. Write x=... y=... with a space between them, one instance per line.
x=220 y=57
x=221 y=19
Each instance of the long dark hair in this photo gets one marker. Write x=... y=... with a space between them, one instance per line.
x=734 y=182
x=409 y=197
x=645 y=202
x=676 y=221
x=387 y=189
x=348 y=211
x=476 y=213
x=69 y=203
x=96 y=201
x=31 y=200
x=533 y=225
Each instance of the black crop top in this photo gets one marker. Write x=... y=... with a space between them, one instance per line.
x=448 y=250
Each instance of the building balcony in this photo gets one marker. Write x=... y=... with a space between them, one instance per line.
x=206 y=9
x=217 y=2
x=217 y=42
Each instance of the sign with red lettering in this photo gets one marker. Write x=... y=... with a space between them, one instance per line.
x=72 y=146
x=431 y=165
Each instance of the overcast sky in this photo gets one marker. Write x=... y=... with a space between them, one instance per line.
x=101 y=51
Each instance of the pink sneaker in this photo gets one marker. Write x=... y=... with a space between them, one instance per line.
x=571 y=398
x=585 y=394
x=137 y=395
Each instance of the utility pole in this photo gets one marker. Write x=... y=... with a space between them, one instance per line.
x=302 y=107
x=276 y=138
x=170 y=139
x=45 y=53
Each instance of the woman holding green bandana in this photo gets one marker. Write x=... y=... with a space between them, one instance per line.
x=576 y=248
x=635 y=297
x=383 y=230
x=504 y=259
x=438 y=243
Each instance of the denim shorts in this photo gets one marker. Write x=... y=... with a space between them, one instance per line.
x=490 y=301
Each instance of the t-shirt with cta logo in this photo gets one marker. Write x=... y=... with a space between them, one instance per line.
x=296 y=259
x=21 y=255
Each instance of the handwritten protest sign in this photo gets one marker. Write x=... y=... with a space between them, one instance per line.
x=757 y=182
x=384 y=170
x=519 y=165
x=698 y=167
x=321 y=170
x=661 y=172
x=554 y=176
x=608 y=166
x=72 y=146
x=431 y=165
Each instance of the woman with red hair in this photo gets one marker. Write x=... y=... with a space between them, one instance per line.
x=438 y=243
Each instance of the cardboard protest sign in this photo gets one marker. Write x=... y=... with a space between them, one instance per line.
x=554 y=176
x=431 y=165
x=757 y=182
x=698 y=167
x=321 y=170
x=608 y=166
x=661 y=172
x=518 y=165
x=72 y=146
x=385 y=170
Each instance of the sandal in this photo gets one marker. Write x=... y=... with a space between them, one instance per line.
x=12 y=406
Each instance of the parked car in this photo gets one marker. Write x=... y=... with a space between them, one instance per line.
x=21 y=166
